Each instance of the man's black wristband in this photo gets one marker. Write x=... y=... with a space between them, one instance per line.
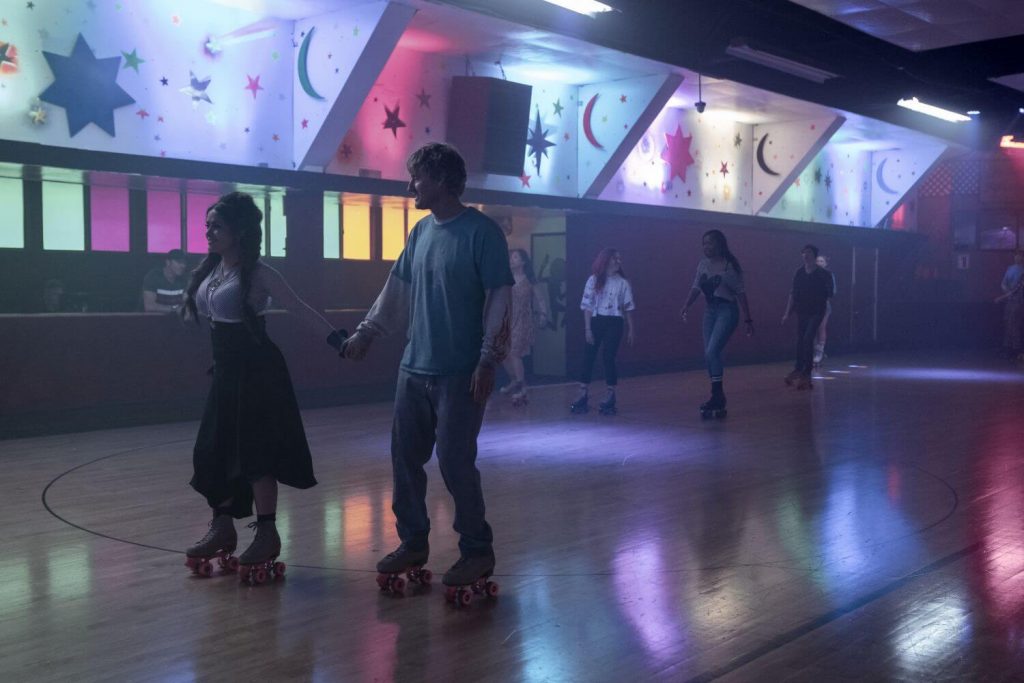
x=337 y=338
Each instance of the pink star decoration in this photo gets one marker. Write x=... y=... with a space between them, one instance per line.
x=254 y=85
x=677 y=153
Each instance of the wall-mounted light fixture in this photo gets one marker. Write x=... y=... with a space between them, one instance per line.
x=739 y=48
x=920 y=107
x=589 y=7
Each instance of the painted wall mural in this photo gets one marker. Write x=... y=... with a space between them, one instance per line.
x=184 y=79
x=408 y=107
x=832 y=188
x=688 y=160
x=204 y=81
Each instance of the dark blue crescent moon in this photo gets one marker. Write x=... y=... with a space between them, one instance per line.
x=303 y=73
x=760 y=156
x=881 y=180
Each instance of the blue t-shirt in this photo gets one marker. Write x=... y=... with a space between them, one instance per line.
x=450 y=267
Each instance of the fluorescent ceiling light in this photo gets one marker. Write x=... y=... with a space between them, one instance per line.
x=920 y=107
x=1008 y=142
x=589 y=7
x=744 y=51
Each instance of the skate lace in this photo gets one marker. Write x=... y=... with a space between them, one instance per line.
x=210 y=534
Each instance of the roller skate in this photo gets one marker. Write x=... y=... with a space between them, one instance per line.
x=520 y=399
x=804 y=382
x=219 y=542
x=792 y=378
x=607 y=406
x=403 y=561
x=468 y=576
x=714 y=407
x=819 y=354
x=511 y=388
x=581 y=405
x=258 y=563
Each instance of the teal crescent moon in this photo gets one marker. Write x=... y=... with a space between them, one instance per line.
x=881 y=178
x=303 y=72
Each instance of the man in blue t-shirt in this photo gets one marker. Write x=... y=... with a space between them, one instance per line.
x=450 y=290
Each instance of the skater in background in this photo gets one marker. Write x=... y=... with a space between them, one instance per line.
x=607 y=306
x=1013 y=316
x=529 y=312
x=251 y=435
x=809 y=295
x=822 y=337
x=449 y=294
x=720 y=278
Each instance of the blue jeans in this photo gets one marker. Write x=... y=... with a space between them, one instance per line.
x=437 y=410
x=720 y=321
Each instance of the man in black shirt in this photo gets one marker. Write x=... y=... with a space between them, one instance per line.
x=812 y=288
x=163 y=288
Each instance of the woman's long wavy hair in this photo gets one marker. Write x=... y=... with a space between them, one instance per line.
x=722 y=244
x=243 y=218
x=600 y=267
x=527 y=264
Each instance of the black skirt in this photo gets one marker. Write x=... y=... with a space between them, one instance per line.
x=251 y=426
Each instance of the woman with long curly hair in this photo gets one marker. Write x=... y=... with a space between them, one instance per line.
x=251 y=436
x=607 y=312
x=720 y=278
x=529 y=311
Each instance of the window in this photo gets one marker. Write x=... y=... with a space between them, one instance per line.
x=332 y=225
x=108 y=218
x=355 y=232
x=278 y=225
x=12 y=220
x=163 y=221
x=392 y=232
x=196 y=205
x=63 y=216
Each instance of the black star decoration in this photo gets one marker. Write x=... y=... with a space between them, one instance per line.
x=828 y=181
x=817 y=176
x=737 y=141
x=424 y=98
x=163 y=81
x=392 y=121
x=86 y=87
x=538 y=142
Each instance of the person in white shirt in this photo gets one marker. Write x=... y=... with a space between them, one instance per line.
x=822 y=337
x=607 y=307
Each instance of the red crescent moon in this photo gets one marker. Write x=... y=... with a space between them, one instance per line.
x=587 y=130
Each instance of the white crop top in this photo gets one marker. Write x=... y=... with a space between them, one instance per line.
x=219 y=297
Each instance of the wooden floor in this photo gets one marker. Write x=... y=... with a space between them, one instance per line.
x=872 y=529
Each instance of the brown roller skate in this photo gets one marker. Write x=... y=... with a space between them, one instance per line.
x=804 y=382
x=258 y=563
x=406 y=561
x=467 y=576
x=792 y=378
x=219 y=542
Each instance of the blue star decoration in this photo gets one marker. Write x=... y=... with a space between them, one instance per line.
x=86 y=87
x=197 y=89
x=392 y=121
x=538 y=142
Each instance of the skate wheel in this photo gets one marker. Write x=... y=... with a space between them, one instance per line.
x=450 y=594
x=398 y=585
x=260 y=575
x=491 y=589
x=279 y=568
x=232 y=564
x=382 y=582
x=426 y=576
x=205 y=569
x=464 y=597
x=190 y=562
x=244 y=571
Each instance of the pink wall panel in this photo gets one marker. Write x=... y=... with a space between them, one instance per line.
x=163 y=221
x=109 y=218
x=195 y=215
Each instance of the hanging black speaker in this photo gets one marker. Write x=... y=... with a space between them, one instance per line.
x=488 y=120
